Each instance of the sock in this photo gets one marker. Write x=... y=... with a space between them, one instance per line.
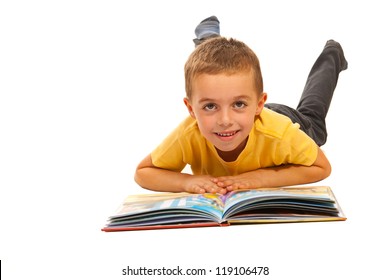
x=208 y=28
x=336 y=45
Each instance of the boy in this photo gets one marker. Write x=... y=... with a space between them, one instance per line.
x=231 y=139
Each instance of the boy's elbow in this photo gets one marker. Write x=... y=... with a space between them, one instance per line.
x=324 y=165
x=327 y=170
x=141 y=174
x=139 y=177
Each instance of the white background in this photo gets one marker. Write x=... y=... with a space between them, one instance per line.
x=88 y=88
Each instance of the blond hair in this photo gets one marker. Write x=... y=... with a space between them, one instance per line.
x=222 y=56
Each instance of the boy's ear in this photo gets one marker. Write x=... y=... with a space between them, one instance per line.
x=261 y=103
x=189 y=107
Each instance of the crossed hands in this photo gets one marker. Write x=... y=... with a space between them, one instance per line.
x=222 y=185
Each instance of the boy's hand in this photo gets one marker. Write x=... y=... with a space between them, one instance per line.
x=202 y=184
x=231 y=183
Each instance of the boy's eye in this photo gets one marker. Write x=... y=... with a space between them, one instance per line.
x=210 y=107
x=239 y=104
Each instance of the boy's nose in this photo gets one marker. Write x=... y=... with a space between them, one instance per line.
x=225 y=118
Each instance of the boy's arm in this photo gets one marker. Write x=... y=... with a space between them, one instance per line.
x=279 y=176
x=154 y=178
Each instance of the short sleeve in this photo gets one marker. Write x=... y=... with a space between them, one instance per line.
x=296 y=147
x=169 y=154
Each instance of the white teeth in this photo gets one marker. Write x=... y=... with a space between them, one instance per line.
x=226 y=134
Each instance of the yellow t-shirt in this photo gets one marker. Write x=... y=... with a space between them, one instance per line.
x=274 y=140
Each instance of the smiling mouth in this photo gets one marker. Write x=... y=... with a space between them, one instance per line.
x=226 y=134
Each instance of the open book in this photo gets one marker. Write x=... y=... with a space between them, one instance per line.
x=177 y=210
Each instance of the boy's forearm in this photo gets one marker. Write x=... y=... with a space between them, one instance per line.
x=272 y=177
x=153 y=178
x=157 y=179
x=160 y=179
x=285 y=176
x=150 y=177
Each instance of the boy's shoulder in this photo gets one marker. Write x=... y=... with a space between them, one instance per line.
x=188 y=125
x=274 y=124
x=187 y=129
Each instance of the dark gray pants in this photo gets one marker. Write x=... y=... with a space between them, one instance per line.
x=316 y=98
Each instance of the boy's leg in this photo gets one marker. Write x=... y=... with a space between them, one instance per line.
x=319 y=88
x=317 y=95
x=208 y=28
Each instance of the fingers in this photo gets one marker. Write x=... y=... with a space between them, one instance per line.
x=223 y=182
x=234 y=187
x=197 y=189
x=207 y=187
x=213 y=188
x=230 y=183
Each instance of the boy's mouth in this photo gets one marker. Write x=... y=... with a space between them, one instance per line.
x=227 y=133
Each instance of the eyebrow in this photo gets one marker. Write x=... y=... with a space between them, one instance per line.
x=205 y=99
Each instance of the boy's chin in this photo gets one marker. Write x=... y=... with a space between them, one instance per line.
x=230 y=149
x=224 y=149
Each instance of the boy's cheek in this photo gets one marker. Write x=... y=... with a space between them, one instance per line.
x=205 y=123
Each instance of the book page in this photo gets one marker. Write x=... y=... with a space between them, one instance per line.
x=308 y=198
x=163 y=208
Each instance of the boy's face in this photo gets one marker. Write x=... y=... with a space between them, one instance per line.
x=225 y=107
